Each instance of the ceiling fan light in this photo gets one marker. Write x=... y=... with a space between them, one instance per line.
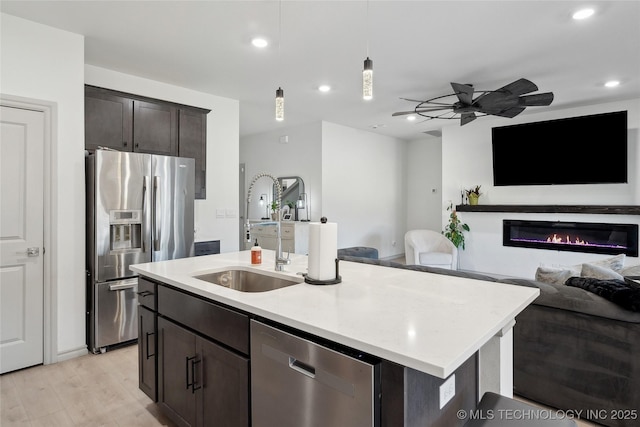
x=279 y=104
x=367 y=79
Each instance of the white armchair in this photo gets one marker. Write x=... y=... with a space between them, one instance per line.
x=430 y=248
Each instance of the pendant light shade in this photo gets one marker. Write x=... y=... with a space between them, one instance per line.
x=367 y=79
x=279 y=104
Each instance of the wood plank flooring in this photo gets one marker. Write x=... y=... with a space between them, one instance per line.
x=92 y=390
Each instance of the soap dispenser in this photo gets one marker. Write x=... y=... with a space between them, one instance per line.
x=256 y=254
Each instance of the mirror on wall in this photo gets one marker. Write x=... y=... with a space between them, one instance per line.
x=294 y=198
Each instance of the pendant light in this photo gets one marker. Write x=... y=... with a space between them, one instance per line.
x=279 y=91
x=367 y=72
x=279 y=104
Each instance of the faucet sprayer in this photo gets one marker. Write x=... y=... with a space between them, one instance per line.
x=280 y=260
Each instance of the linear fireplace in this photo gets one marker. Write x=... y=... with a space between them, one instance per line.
x=600 y=238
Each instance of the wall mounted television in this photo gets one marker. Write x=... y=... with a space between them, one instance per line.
x=578 y=150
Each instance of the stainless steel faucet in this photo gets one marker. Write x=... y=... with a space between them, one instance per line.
x=280 y=260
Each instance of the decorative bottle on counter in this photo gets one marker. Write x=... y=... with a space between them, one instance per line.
x=256 y=254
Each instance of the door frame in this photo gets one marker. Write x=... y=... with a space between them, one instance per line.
x=50 y=218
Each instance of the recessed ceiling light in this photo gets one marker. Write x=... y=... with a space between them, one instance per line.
x=411 y=118
x=583 y=14
x=324 y=88
x=259 y=42
x=612 y=83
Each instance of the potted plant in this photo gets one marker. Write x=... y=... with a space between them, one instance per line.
x=473 y=194
x=455 y=228
x=274 y=210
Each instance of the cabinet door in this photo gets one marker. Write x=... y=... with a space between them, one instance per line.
x=192 y=142
x=107 y=120
x=147 y=352
x=155 y=128
x=224 y=398
x=176 y=372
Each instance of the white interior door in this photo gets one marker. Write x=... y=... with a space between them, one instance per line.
x=21 y=238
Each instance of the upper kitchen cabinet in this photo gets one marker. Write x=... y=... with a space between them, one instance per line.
x=127 y=122
x=155 y=127
x=108 y=120
x=192 y=134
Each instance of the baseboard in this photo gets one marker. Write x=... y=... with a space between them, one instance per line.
x=72 y=354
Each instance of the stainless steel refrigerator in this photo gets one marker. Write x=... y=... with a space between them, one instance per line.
x=139 y=209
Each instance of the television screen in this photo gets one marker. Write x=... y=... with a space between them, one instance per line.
x=577 y=150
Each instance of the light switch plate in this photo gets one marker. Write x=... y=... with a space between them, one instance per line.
x=447 y=390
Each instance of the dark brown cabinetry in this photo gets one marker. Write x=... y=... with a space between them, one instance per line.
x=192 y=131
x=155 y=127
x=147 y=342
x=200 y=382
x=108 y=120
x=202 y=361
x=127 y=122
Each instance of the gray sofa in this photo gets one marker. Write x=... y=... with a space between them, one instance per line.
x=573 y=350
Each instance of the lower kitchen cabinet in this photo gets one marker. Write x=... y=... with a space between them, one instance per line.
x=147 y=351
x=200 y=383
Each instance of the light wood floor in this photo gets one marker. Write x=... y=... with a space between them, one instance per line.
x=92 y=390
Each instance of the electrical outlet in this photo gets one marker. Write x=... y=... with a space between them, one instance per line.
x=447 y=390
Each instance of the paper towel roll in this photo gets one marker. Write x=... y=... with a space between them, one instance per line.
x=323 y=250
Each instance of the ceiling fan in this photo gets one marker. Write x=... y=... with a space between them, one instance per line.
x=508 y=101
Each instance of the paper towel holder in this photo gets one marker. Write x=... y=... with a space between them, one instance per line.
x=335 y=281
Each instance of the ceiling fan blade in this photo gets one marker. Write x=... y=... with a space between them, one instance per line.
x=463 y=92
x=412 y=100
x=487 y=100
x=466 y=118
x=420 y=110
x=403 y=113
x=519 y=87
x=426 y=110
x=539 y=99
x=509 y=113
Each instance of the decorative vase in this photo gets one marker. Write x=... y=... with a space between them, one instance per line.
x=473 y=199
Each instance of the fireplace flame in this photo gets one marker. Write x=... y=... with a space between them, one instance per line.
x=566 y=240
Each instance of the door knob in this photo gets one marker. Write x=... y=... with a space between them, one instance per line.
x=35 y=251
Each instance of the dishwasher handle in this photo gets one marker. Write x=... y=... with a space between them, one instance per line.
x=303 y=368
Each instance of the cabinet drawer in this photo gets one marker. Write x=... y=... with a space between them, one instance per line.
x=209 y=319
x=264 y=230
x=287 y=232
x=147 y=293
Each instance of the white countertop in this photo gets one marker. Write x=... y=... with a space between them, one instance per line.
x=428 y=322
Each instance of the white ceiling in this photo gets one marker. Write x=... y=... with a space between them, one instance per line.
x=417 y=48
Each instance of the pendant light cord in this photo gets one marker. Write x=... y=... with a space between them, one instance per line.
x=367 y=29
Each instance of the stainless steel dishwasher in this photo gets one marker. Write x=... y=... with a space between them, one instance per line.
x=299 y=383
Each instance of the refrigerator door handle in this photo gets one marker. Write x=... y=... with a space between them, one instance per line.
x=156 y=231
x=144 y=209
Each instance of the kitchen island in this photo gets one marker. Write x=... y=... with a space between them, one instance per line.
x=430 y=325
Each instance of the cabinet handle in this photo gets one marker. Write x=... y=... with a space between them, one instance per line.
x=190 y=379
x=147 y=345
x=193 y=378
x=124 y=143
x=137 y=145
x=144 y=293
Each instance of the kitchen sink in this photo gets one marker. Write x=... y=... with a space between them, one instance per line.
x=244 y=280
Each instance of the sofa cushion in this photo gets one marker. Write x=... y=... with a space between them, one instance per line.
x=616 y=291
x=575 y=299
x=598 y=272
x=556 y=275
